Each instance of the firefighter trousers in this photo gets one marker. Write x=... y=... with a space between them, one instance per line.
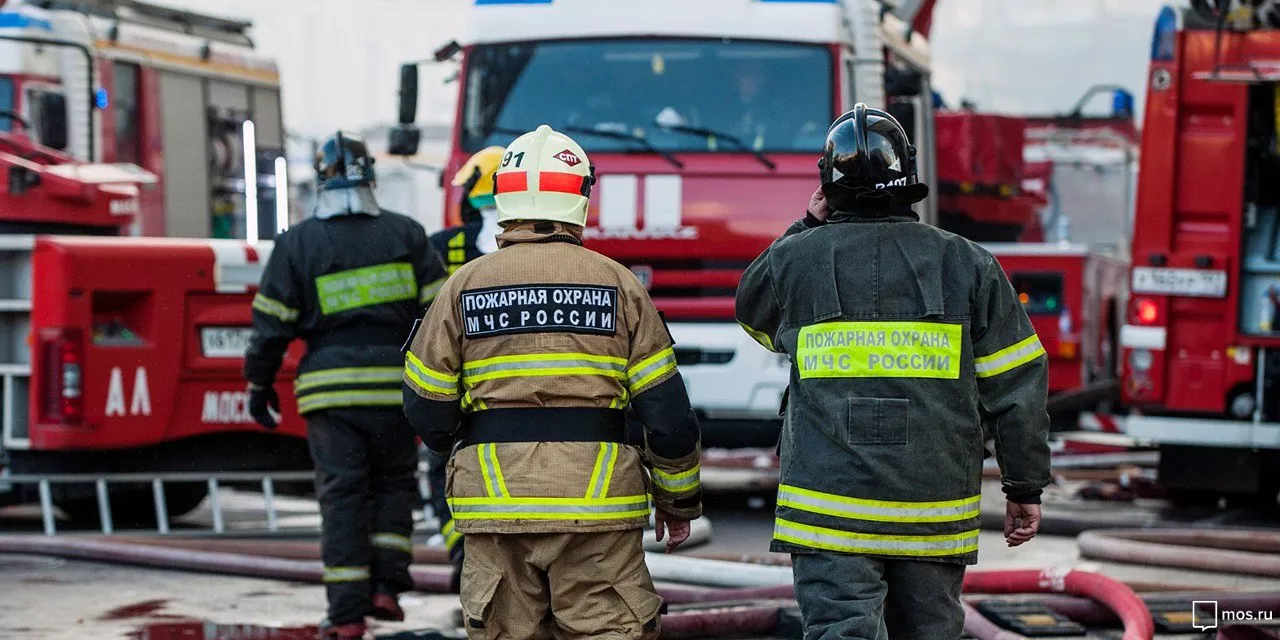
x=870 y=598
x=568 y=586
x=365 y=462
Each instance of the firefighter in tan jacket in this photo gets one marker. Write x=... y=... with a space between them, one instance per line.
x=539 y=348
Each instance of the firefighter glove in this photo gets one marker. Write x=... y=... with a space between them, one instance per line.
x=264 y=405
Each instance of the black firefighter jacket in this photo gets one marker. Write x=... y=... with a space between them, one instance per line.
x=906 y=343
x=351 y=286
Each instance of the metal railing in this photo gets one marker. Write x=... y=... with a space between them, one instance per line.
x=214 y=480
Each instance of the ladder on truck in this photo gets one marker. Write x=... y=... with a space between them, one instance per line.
x=157 y=16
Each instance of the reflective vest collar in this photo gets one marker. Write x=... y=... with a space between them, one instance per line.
x=539 y=231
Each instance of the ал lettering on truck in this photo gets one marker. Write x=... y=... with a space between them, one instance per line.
x=127 y=356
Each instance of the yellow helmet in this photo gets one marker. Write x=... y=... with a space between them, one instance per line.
x=485 y=161
x=544 y=175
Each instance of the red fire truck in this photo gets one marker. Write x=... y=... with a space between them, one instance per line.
x=123 y=354
x=1201 y=356
x=694 y=184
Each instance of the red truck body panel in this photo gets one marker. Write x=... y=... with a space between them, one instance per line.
x=161 y=387
x=1189 y=216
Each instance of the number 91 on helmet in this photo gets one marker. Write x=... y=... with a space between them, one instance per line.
x=544 y=175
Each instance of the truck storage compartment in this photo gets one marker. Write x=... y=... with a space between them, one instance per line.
x=1260 y=266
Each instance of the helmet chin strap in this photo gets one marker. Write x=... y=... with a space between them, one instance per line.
x=865 y=200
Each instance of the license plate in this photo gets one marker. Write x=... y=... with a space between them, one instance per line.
x=224 y=342
x=1180 y=282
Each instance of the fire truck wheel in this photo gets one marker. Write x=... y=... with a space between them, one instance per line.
x=134 y=507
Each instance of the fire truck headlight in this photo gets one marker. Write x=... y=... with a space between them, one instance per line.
x=1140 y=360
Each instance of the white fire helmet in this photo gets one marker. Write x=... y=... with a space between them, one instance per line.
x=544 y=175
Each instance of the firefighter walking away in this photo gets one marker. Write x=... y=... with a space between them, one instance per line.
x=907 y=343
x=349 y=281
x=475 y=237
x=524 y=371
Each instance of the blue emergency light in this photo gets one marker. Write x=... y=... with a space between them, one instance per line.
x=1121 y=104
x=1162 y=42
x=100 y=99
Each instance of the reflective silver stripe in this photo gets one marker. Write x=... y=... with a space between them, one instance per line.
x=273 y=307
x=677 y=482
x=834 y=540
x=667 y=361
x=1008 y=358
x=349 y=399
x=600 y=484
x=880 y=511
x=428 y=376
x=345 y=574
x=362 y=375
x=567 y=363
x=500 y=506
x=393 y=541
x=430 y=291
x=496 y=484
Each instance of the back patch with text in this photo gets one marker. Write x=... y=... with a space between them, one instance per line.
x=539 y=308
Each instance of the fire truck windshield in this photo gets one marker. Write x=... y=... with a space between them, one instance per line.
x=774 y=97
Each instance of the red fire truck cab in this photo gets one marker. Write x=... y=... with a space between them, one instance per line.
x=704 y=120
x=123 y=354
x=1202 y=338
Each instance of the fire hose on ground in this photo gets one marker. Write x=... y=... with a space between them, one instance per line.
x=752 y=582
x=1240 y=551
x=1128 y=607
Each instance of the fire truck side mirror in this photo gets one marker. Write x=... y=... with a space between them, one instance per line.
x=408 y=92
x=53 y=121
x=404 y=140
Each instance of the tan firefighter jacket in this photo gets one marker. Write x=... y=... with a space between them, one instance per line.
x=541 y=346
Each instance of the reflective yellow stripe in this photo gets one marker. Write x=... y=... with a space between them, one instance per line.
x=472 y=404
x=430 y=291
x=451 y=536
x=459 y=240
x=458 y=256
x=677 y=482
x=880 y=350
x=365 y=286
x=334 y=399
x=618 y=403
x=602 y=474
x=273 y=307
x=353 y=375
x=393 y=541
x=345 y=574
x=495 y=485
x=877 y=510
x=429 y=379
x=763 y=338
x=850 y=542
x=1008 y=358
x=541 y=365
x=550 y=508
x=641 y=376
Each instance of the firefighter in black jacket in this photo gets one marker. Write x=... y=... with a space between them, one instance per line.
x=476 y=236
x=350 y=281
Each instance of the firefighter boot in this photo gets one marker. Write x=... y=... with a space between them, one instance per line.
x=348 y=631
x=386 y=606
